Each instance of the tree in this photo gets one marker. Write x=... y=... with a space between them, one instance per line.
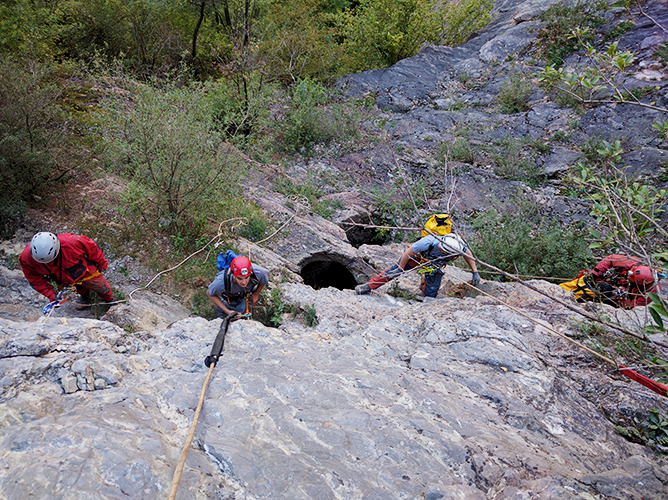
x=165 y=142
x=31 y=127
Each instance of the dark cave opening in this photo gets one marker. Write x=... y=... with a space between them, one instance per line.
x=323 y=273
x=359 y=235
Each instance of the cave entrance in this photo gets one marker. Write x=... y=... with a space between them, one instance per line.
x=323 y=273
x=359 y=235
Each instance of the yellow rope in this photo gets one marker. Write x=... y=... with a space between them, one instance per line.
x=191 y=434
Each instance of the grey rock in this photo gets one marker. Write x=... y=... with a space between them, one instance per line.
x=69 y=383
x=560 y=160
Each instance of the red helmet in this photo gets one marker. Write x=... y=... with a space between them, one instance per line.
x=641 y=275
x=241 y=266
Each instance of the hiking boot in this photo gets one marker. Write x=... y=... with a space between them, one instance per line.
x=82 y=301
x=362 y=289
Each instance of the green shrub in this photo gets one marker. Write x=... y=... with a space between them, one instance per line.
x=513 y=97
x=462 y=19
x=554 y=38
x=201 y=305
x=619 y=30
x=270 y=310
x=511 y=162
x=179 y=165
x=310 y=316
x=526 y=243
x=31 y=132
x=314 y=119
x=651 y=431
x=662 y=53
x=379 y=33
x=241 y=112
x=460 y=150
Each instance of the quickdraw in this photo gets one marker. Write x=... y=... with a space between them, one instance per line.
x=60 y=299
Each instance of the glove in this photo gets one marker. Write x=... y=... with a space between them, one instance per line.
x=393 y=272
x=475 y=279
x=208 y=360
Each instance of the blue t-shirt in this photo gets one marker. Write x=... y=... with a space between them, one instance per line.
x=428 y=248
x=236 y=292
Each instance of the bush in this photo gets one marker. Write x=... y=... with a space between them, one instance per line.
x=554 y=38
x=526 y=243
x=313 y=119
x=241 y=112
x=31 y=123
x=379 y=33
x=511 y=163
x=461 y=150
x=513 y=97
x=462 y=19
x=179 y=165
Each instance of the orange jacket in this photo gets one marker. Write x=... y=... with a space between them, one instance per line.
x=79 y=258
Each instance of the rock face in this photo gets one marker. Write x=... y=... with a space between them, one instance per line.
x=382 y=399
x=465 y=398
x=446 y=96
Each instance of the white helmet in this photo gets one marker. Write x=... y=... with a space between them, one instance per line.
x=44 y=247
x=451 y=244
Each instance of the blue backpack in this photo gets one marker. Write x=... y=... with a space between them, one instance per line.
x=225 y=259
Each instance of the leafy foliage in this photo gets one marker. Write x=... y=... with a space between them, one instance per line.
x=651 y=431
x=311 y=121
x=528 y=244
x=166 y=144
x=512 y=161
x=382 y=32
x=460 y=20
x=627 y=208
x=514 y=94
x=554 y=38
x=31 y=126
x=658 y=309
x=379 y=33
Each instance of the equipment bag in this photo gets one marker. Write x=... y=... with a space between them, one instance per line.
x=437 y=224
x=580 y=288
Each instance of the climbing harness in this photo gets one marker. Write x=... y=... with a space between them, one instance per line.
x=210 y=361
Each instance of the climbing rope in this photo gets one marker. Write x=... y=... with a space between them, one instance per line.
x=534 y=320
x=211 y=360
x=624 y=370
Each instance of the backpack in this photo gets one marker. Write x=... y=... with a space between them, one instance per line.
x=437 y=224
x=225 y=259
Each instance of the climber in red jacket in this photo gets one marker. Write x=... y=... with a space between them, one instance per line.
x=66 y=259
x=623 y=281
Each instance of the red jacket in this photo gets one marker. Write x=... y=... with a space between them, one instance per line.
x=79 y=258
x=614 y=269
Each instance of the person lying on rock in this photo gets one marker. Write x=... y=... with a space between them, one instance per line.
x=617 y=280
x=67 y=259
x=433 y=252
x=238 y=287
